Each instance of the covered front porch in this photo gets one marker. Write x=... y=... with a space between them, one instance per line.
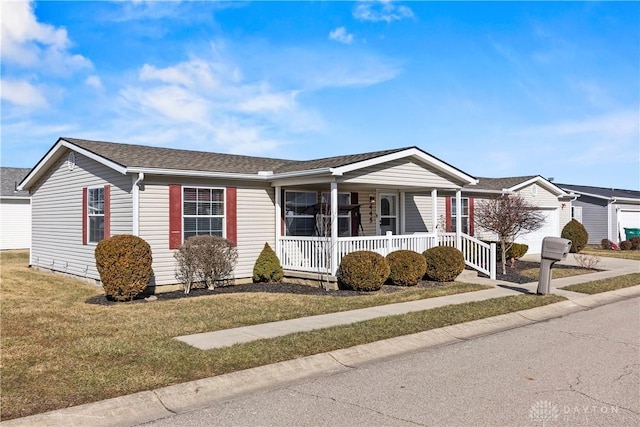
x=371 y=220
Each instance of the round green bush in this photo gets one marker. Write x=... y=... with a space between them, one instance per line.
x=124 y=263
x=578 y=235
x=406 y=267
x=363 y=271
x=267 y=267
x=444 y=263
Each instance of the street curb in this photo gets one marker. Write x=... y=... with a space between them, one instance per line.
x=152 y=405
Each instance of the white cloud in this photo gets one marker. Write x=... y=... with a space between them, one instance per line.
x=94 y=82
x=29 y=43
x=22 y=93
x=341 y=35
x=384 y=10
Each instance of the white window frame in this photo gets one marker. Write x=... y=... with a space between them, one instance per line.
x=465 y=219
x=289 y=214
x=223 y=216
x=91 y=213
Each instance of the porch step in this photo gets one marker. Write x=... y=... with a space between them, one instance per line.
x=467 y=275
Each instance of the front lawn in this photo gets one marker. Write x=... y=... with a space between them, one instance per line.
x=59 y=351
x=597 y=286
x=598 y=251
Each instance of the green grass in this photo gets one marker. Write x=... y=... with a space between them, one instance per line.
x=605 y=285
x=58 y=351
x=598 y=251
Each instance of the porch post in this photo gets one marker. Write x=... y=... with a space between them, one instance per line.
x=434 y=213
x=334 y=227
x=458 y=219
x=278 y=218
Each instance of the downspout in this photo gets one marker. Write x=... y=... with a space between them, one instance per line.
x=136 y=204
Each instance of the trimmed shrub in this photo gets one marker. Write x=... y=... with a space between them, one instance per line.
x=406 y=267
x=578 y=235
x=444 y=263
x=267 y=267
x=363 y=271
x=626 y=245
x=205 y=259
x=517 y=250
x=606 y=244
x=635 y=243
x=124 y=263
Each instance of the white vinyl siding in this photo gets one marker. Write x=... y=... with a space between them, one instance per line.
x=397 y=174
x=255 y=224
x=57 y=214
x=15 y=224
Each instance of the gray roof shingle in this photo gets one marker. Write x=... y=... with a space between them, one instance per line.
x=501 y=183
x=9 y=178
x=602 y=191
x=141 y=156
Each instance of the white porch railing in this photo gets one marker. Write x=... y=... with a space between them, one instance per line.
x=313 y=254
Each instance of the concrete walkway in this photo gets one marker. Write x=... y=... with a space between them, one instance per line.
x=229 y=337
x=155 y=404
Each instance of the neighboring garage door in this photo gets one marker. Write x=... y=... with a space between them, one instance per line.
x=550 y=228
x=15 y=224
x=628 y=218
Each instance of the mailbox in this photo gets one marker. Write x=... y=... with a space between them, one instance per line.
x=554 y=249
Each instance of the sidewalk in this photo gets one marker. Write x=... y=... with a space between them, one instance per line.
x=229 y=337
x=151 y=405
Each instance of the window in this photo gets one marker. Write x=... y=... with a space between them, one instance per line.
x=95 y=214
x=299 y=216
x=576 y=213
x=203 y=211
x=464 y=213
x=344 y=216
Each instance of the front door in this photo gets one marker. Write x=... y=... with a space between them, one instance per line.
x=388 y=213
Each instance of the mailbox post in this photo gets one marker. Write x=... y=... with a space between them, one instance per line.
x=554 y=249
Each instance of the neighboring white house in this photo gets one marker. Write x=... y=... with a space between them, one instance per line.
x=605 y=212
x=552 y=201
x=15 y=210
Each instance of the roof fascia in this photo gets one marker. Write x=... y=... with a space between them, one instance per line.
x=597 y=196
x=484 y=191
x=15 y=197
x=409 y=152
x=199 y=174
x=52 y=155
x=540 y=180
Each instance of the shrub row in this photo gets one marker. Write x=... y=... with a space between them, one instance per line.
x=368 y=271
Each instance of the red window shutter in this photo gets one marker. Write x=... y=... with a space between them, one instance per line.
x=107 y=211
x=447 y=210
x=355 y=221
x=175 y=216
x=471 y=216
x=84 y=215
x=232 y=214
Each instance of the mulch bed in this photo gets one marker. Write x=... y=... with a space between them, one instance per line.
x=513 y=276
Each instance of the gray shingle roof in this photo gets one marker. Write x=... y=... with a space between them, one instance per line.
x=601 y=191
x=9 y=178
x=141 y=156
x=501 y=183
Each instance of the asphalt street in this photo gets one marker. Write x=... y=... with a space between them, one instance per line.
x=582 y=369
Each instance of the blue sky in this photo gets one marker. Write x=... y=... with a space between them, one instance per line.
x=496 y=89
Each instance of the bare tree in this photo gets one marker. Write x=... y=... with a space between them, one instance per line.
x=509 y=216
